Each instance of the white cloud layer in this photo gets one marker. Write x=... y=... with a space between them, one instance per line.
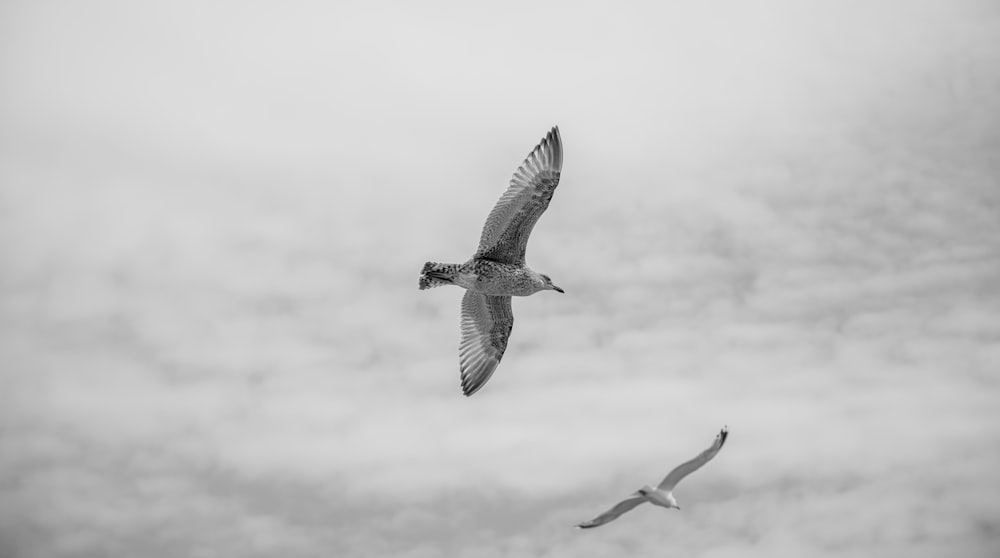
x=782 y=217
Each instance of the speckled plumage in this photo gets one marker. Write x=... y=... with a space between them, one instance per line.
x=497 y=270
x=485 y=277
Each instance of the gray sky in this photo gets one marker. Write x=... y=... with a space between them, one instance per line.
x=781 y=217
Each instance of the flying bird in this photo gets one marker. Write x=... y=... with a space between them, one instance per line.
x=497 y=270
x=663 y=494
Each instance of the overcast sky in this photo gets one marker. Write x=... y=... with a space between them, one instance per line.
x=779 y=216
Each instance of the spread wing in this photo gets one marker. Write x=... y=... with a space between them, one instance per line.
x=486 y=324
x=685 y=469
x=612 y=514
x=505 y=234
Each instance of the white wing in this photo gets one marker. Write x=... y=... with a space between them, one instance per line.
x=686 y=469
x=616 y=511
x=505 y=234
x=486 y=324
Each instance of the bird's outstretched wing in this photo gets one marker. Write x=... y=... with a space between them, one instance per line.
x=486 y=324
x=505 y=234
x=685 y=469
x=616 y=511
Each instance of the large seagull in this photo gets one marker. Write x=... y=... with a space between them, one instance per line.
x=663 y=494
x=497 y=270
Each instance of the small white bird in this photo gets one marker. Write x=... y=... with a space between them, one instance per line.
x=662 y=495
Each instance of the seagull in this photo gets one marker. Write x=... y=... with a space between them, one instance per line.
x=497 y=270
x=663 y=494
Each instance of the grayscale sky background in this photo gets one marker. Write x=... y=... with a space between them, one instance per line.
x=780 y=216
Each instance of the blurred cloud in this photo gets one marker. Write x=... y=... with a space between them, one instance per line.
x=780 y=217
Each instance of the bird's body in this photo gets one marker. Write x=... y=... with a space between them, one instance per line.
x=484 y=277
x=663 y=494
x=497 y=271
x=659 y=497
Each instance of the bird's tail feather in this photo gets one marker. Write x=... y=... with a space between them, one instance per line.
x=436 y=274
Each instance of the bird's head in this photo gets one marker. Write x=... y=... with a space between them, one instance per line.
x=547 y=283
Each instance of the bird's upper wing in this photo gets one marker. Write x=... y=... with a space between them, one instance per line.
x=486 y=324
x=505 y=234
x=612 y=514
x=685 y=469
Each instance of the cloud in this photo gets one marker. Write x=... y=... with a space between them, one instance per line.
x=782 y=220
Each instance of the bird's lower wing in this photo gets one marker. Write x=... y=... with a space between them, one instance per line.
x=685 y=469
x=613 y=514
x=486 y=324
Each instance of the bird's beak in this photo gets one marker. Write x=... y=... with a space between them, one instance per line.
x=557 y=289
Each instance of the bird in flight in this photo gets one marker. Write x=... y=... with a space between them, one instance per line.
x=497 y=270
x=662 y=495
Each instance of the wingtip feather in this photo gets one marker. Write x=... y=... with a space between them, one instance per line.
x=479 y=373
x=555 y=145
x=469 y=387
